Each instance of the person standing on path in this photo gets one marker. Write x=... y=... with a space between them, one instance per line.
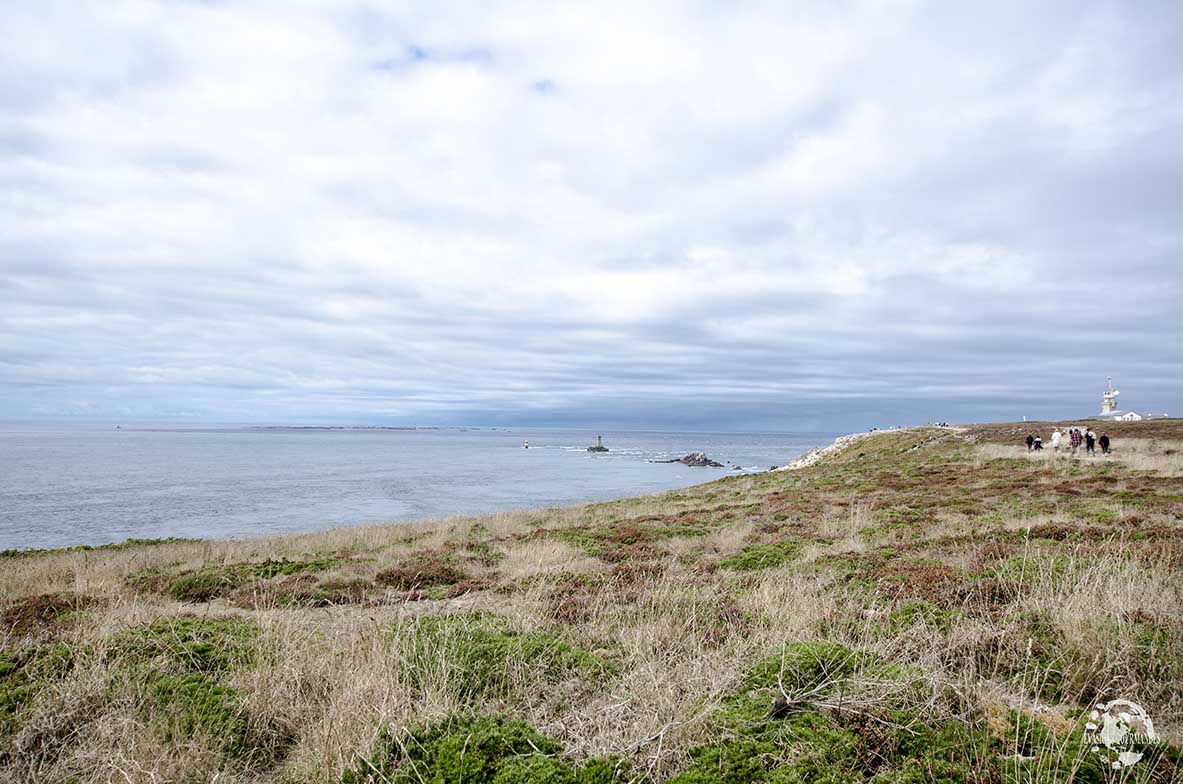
x=1090 y=442
x=1038 y=444
x=1030 y=441
x=1075 y=438
x=1056 y=439
x=1104 y=442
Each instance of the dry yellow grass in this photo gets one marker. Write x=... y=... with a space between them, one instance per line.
x=1160 y=456
x=1004 y=585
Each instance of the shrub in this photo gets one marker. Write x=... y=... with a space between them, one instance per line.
x=176 y=670
x=479 y=549
x=42 y=612
x=571 y=598
x=481 y=750
x=479 y=655
x=468 y=586
x=283 y=567
x=24 y=674
x=736 y=761
x=804 y=748
x=931 y=581
x=205 y=584
x=762 y=556
x=82 y=548
x=194 y=706
x=422 y=570
x=918 y=612
x=301 y=590
x=152 y=579
x=533 y=768
x=803 y=666
x=1054 y=570
x=188 y=644
x=885 y=742
x=213 y=581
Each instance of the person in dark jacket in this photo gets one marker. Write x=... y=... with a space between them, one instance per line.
x=1030 y=441
x=1090 y=442
x=1104 y=442
x=1038 y=446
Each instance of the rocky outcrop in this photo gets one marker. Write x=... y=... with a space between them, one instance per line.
x=815 y=456
x=696 y=459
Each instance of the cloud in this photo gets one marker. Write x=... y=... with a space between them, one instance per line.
x=748 y=215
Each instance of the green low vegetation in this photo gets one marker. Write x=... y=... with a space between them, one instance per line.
x=179 y=672
x=213 y=581
x=189 y=644
x=126 y=544
x=23 y=674
x=483 y=750
x=762 y=556
x=472 y=657
x=184 y=707
x=928 y=605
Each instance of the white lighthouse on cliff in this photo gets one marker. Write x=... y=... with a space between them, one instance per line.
x=1110 y=411
x=1109 y=399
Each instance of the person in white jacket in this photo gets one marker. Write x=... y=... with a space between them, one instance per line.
x=1056 y=440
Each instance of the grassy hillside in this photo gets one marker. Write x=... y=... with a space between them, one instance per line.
x=926 y=605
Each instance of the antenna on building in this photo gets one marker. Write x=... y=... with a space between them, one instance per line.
x=1109 y=399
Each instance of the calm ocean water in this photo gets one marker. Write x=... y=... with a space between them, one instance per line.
x=62 y=486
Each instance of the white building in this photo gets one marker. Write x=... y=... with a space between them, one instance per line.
x=1110 y=411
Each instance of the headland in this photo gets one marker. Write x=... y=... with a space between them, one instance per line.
x=910 y=605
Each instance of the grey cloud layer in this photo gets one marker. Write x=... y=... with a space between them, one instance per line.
x=686 y=215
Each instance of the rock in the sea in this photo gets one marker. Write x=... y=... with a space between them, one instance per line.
x=697 y=459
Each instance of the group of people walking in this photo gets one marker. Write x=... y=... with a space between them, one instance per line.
x=1075 y=438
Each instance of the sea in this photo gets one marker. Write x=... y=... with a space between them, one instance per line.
x=62 y=486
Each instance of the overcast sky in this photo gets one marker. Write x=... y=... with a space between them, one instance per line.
x=679 y=215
